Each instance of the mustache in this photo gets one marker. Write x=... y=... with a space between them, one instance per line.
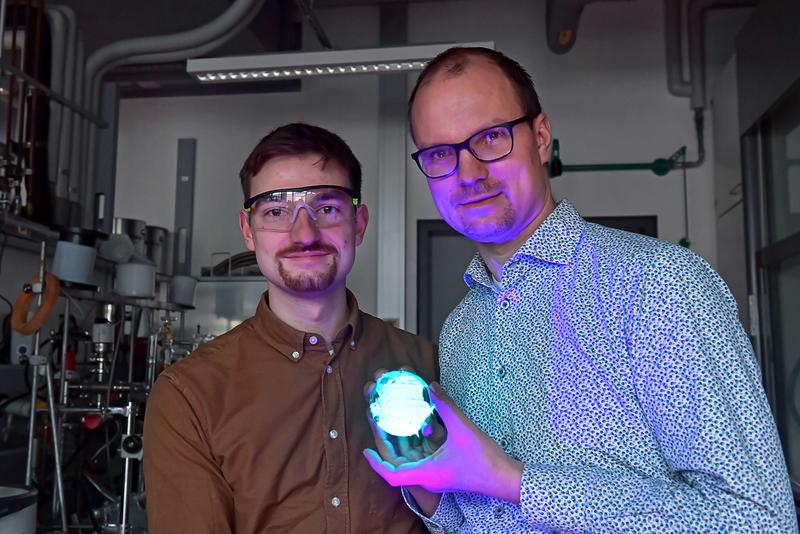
x=480 y=187
x=317 y=247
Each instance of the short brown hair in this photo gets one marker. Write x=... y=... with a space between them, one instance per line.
x=298 y=139
x=453 y=62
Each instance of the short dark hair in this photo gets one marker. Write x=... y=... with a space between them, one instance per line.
x=298 y=139
x=453 y=62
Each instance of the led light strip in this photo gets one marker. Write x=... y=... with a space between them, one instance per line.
x=325 y=63
x=315 y=71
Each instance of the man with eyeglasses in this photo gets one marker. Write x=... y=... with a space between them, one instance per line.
x=592 y=380
x=262 y=429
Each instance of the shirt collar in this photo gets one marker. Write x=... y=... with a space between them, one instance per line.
x=554 y=241
x=293 y=343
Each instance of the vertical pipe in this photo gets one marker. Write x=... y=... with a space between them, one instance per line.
x=131 y=342
x=127 y=481
x=62 y=396
x=152 y=352
x=56 y=448
x=12 y=83
x=34 y=379
x=64 y=342
x=2 y=23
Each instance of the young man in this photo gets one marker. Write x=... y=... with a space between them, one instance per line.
x=261 y=430
x=598 y=381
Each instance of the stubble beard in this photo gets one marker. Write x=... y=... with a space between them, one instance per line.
x=306 y=282
x=490 y=228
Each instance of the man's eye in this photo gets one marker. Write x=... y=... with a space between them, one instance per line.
x=274 y=212
x=439 y=154
x=492 y=136
x=328 y=210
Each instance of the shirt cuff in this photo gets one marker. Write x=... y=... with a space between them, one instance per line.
x=551 y=497
x=442 y=520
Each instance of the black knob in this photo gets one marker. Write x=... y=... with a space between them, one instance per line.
x=132 y=444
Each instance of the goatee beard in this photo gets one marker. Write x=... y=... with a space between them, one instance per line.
x=302 y=282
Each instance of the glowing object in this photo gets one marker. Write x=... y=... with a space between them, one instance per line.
x=399 y=403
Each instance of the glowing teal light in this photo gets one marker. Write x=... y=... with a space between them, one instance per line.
x=399 y=403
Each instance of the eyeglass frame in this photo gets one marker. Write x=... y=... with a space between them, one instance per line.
x=248 y=204
x=465 y=144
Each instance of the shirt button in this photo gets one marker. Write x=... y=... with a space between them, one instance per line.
x=503 y=442
x=501 y=371
x=504 y=304
x=333 y=434
x=295 y=355
x=313 y=340
x=499 y=510
x=336 y=502
x=329 y=369
x=352 y=343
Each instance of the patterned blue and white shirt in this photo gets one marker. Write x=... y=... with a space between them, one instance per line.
x=614 y=367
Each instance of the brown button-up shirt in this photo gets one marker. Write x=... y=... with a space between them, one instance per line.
x=262 y=430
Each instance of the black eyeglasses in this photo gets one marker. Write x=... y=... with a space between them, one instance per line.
x=487 y=145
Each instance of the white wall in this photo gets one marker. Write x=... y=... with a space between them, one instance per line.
x=607 y=100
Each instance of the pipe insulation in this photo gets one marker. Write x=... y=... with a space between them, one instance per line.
x=181 y=45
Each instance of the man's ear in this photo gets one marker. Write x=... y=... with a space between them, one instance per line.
x=362 y=220
x=247 y=232
x=543 y=136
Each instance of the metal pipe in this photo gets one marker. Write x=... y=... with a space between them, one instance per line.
x=25 y=227
x=52 y=95
x=676 y=83
x=152 y=351
x=313 y=21
x=132 y=342
x=202 y=49
x=136 y=386
x=127 y=481
x=64 y=143
x=64 y=344
x=76 y=175
x=35 y=378
x=62 y=80
x=2 y=22
x=56 y=447
x=59 y=39
x=697 y=42
x=63 y=393
x=103 y=410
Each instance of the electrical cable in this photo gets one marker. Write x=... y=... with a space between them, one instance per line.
x=108 y=442
x=10 y=306
x=2 y=251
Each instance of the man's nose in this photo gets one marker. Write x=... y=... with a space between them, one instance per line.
x=470 y=168
x=304 y=229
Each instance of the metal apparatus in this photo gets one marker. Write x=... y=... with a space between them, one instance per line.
x=86 y=431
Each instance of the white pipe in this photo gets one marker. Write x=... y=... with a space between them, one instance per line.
x=697 y=41
x=59 y=36
x=677 y=85
x=71 y=66
x=219 y=29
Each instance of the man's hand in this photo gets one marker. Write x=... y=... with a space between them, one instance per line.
x=468 y=460
x=399 y=450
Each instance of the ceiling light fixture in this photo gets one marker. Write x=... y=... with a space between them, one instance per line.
x=323 y=63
